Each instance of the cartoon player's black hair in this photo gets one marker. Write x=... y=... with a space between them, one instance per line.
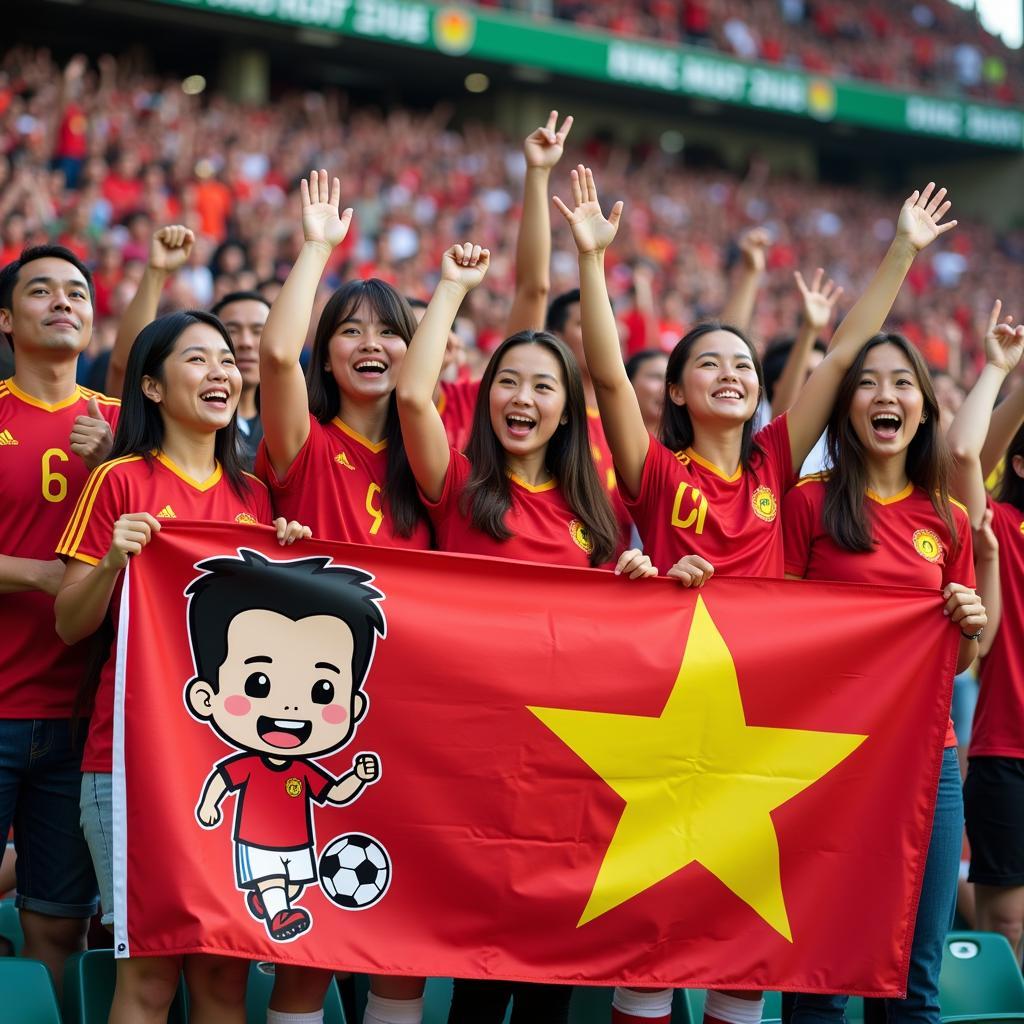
x=307 y=586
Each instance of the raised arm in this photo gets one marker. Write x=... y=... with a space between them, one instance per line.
x=284 y=403
x=168 y=251
x=1004 y=346
x=919 y=225
x=542 y=149
x=819 y=305
x=1007 y=418
x=621 y=417
x=426 y=443
x=739 y=306
x=986 y=568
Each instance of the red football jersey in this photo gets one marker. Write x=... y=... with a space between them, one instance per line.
x=913 y=547
x=688 y=506
x=133 y=484
x=998 y=729
x=456 y=406
x=334 y=487
x=272 y=808
x=42 y=479
x=544 y=528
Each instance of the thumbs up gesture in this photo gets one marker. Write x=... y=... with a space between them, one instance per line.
x=91 y=436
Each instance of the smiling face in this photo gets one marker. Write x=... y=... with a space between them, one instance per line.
x=51 y=309
x=527 y=398
x=365 y=354
x=887 y=405
x=199 y=383
x=285 y=687
x=244 y=321
x=719 y=380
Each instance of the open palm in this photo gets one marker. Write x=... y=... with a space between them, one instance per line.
x=321 y=219
x=1004 y=343
x=921 y=216
x=591 y=230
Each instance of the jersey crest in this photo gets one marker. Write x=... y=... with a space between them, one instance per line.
x=765 y=504
x=928 y=545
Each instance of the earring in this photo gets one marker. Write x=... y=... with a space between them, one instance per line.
x=924 y=417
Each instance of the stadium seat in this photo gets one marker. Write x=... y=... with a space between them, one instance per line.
x=261 y=983
x=980 y=980
x=89 y=988
x=28 y=995
x=437 y=999
x=688 y=1006
x=590 y=1004
x=10 y=924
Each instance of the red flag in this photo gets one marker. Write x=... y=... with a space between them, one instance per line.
x=428 y=764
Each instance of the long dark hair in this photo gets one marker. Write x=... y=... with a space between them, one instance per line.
x=928 y=458
x=488 y=494
x=676 y=424
x=399 y=493
x=140 y=427
x=1011 y=490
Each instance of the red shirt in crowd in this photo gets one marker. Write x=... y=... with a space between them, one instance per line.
x=687 y=506
x=913 y=546
x=157 y=486
x=998 y=729
x=335 y=485
x=42 y=481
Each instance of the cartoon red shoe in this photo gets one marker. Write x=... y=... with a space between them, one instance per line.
x=286 y=924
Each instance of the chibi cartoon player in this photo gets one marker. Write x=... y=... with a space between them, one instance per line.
x=281 y=651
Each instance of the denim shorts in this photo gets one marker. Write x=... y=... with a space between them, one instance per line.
x=40 y=781
x=98 y=826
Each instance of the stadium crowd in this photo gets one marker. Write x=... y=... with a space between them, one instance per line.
x=98 y=158
x=931 y=45
x=142 y=200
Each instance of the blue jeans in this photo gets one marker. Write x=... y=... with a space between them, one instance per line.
x=934 y=917
x=40 y=783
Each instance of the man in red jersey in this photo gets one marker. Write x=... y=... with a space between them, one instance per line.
x=52 y=433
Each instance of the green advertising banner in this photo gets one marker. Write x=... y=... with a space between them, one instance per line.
x=688 y=71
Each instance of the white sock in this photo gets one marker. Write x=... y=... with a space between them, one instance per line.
x=280 y=1017
x=392 y=1011
x=274 y=900
x=643 y=1004
x=733 y=1009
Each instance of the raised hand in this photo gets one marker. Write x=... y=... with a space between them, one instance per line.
x=921 y=216
x=819 y=301
x=171 y=248
x=322 y=220
x=543 y=146
x=591 y=230
x=465 y=265
x=754 y=245
x=91 y=437
x=1004 y=343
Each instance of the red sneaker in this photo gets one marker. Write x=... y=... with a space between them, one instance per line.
x=254 y=903
x=286 y=924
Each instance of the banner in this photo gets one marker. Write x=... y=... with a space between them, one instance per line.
x=429 y=764
x=583 y=52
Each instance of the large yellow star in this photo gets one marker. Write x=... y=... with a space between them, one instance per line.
x=699 y=783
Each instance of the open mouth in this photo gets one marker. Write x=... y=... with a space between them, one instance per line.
x=728 y=393
x=371 y=367
x=285 y=733
x=519 y=426
x=886 y=424
x=217 y=397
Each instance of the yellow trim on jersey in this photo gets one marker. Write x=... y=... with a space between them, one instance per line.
x=813 y=478
x=253 y=476
x=200 y=485
x=38 y=403
x=73 y=532
x=549 y=486
x=101 y=398
x=701 y=461
x=442 y=403
x=373 y=446
x=905 y=493
x=959 y=504
x=592 y=413
x=88 y=559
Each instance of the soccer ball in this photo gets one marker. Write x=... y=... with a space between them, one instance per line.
x=355 y=871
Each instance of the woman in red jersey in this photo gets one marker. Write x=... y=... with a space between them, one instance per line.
x=332 y=455
x=332 y=449
x=994 y=790
x=705 y=497
x=526 y=489
x=883 y=515
x=174 y=456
